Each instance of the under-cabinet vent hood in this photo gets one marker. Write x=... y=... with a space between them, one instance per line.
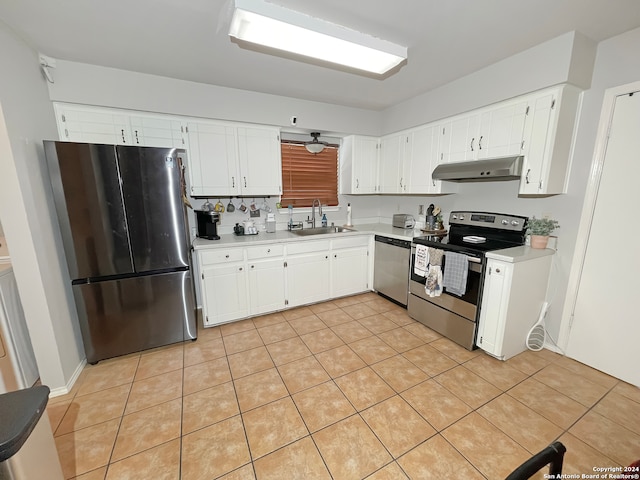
x=491 y=169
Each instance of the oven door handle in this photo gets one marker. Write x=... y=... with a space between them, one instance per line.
x=474 y=259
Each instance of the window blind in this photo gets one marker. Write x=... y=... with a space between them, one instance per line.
x=306 y=176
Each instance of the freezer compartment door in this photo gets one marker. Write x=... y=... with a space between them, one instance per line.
x=151 y=186
x=88 y=200
x=118 y=317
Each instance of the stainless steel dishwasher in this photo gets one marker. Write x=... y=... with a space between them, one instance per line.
x=391 y=268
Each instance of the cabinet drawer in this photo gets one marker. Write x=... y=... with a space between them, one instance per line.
x=265 y=251
x=349 y=242
x=220 y=255
x=307 y=247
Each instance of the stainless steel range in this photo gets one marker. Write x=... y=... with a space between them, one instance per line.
x=447 y=299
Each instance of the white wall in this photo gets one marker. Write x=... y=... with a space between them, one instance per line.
x=564 y=59
x=110 y=87
x=26 y=118
x=616 y=64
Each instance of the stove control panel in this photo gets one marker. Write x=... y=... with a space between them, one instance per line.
x=514 y=223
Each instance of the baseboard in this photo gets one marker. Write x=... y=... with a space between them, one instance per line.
x=552 y=347
x=56 y=392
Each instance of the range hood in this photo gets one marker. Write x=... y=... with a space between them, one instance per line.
x=491 y=169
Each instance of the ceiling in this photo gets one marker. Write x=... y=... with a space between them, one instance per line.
x=188 y=40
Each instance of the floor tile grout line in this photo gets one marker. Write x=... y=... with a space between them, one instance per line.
x=367 y=364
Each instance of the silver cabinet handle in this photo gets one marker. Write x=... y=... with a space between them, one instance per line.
x=357 y=183
x=480 y=143
x=245 y=181
x=137 y=140
x=122 y=132
x=526 y=178
x=233 y=182
x=226 y=256
x=472 y=140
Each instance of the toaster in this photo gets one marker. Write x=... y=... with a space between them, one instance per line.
x=402 y=220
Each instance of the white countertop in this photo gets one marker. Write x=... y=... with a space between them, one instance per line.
x=519 y=254
x=230 y=239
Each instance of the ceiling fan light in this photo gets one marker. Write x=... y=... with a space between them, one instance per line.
x=314 y=147
x=272 y=26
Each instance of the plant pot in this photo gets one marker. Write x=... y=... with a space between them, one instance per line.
x=539 y=241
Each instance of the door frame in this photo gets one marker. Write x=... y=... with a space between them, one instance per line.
x=589 y=206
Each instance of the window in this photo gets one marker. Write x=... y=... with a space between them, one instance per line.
x=306 y=176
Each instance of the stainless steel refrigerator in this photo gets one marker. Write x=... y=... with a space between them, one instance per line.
x=125 y=235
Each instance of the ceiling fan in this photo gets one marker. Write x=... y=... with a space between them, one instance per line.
x=315 y=146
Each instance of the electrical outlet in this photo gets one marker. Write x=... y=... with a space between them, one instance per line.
x=546 y=216
x=420 y=209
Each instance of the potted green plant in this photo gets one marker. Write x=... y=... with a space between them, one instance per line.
x=540 y=229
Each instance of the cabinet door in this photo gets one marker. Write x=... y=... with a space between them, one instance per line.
x=266 y=286
x=307 y=278
x=494 y=308
x=365 y=165
x=462 y=138
x=537 y=148
x=502 y=130
x=157 y=131
x=224 y=293
x=421 y=160
x=92 y=125
x=213 y=159
x=260 y=161
x=392 y=149
x=349 y=271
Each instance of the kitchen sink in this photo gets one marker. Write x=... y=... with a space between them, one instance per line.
x=321 y=231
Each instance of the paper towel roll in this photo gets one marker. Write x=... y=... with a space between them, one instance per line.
x=349 y=224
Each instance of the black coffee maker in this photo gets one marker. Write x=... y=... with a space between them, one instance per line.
x=208 y=224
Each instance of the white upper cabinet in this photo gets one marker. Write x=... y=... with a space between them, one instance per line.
x=78 y=123
x=213 y=159
x=359 y=156
x=460 y=138
x=228 y=160
x=260 y=161
x=548 y=140
x=158 y=131
x=393 y=149
x=501 y=130
x=424 y=156
x=495 y=131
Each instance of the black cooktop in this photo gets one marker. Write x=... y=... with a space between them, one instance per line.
x=496 y=231
x=457 y=244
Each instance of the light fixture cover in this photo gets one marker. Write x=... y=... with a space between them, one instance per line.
x=272 y=26
x=315 y=146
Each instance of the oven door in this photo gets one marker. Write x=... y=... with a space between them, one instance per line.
x=465 y=305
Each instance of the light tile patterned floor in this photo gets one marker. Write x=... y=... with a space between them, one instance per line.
x=347 y=389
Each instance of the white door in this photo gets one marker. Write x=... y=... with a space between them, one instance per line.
x=307 y=278
x=260 y=161
x=391 y=158
x=266 y=285
x=606 y=329
x=365 y=164
x=213 y=159
x=224 y=293
x=349 y=272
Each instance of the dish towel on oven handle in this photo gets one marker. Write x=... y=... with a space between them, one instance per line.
x=455 y=273
x=433 y=283
x=421 y=261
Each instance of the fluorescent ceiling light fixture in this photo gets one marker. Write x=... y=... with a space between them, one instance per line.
x=275 y=27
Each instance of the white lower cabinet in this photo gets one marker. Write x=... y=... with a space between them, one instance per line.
x=240 y=282
x=224 y=293
x=349 y=266
x=512 y=298
x=307 y=272
x=265 y=268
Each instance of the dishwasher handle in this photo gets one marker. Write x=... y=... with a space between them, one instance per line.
x=393 y=241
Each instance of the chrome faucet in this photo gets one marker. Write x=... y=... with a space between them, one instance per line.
x=313 y=212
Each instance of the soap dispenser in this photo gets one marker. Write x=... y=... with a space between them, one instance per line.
x=324 y=219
